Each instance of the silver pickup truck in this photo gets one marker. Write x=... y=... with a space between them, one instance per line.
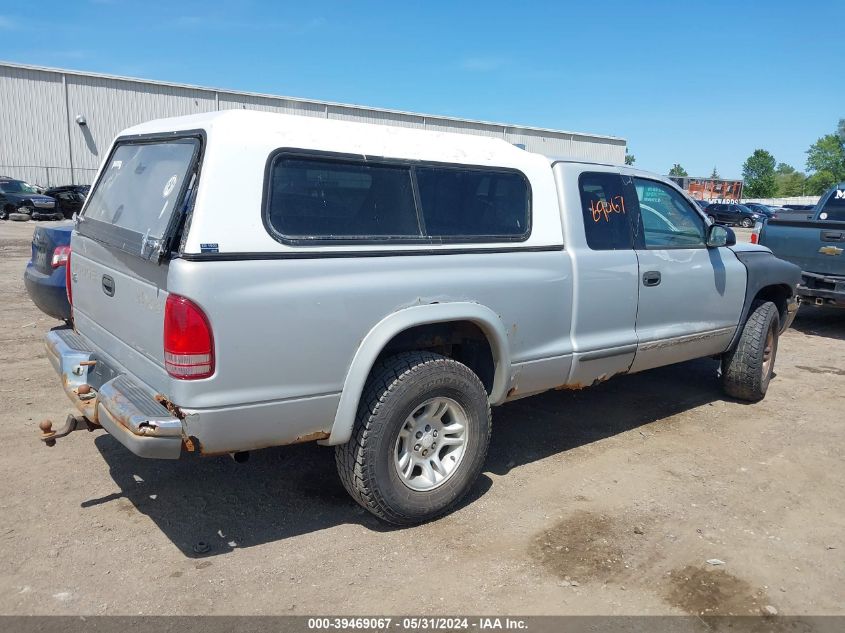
x=242 y=280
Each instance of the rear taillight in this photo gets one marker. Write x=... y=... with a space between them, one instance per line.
x=753 y=238
x=68 y=287
x=188 y=341
x=60 y=256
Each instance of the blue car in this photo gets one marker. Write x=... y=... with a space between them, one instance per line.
x=45 y=273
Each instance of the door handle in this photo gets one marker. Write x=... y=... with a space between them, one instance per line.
x=108 y=285
x=833 y=236
x=651 y=278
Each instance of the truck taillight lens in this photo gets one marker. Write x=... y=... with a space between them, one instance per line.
x=68 y=287
x=188 y=341
x=753 y=238
x=60 y=256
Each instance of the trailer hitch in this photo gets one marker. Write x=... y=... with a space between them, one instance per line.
x=73 y=423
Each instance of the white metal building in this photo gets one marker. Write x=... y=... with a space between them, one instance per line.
x=56 y=125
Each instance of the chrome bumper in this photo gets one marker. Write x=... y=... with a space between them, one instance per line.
x=111 y=398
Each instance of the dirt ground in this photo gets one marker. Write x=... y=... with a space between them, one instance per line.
x=606 y=501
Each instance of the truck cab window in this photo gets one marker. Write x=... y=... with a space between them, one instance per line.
x=606 y=205
x=834 y=208
x=668 y=220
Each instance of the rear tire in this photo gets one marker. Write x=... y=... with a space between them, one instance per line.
x=747 y=369
x=396 y=464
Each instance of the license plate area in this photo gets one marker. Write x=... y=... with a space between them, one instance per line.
x=100 y=374
x=41 y=259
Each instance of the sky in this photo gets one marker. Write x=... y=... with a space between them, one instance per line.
x=702 y=84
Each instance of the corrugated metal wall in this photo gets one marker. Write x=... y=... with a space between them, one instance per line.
x=110 y=105
x=41 y=142
x=232 y=101
x=363 y=115
x=33 y=126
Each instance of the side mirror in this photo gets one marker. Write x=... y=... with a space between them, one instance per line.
x=718 y=235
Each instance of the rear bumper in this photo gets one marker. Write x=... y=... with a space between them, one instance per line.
x=115 y=401
x=822 y=290
x=48 y=292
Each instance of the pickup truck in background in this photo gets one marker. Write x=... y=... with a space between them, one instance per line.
x=240 y=280
x=817 y=245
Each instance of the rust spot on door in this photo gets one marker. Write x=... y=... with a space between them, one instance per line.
x=311 y=437
x=573 y=387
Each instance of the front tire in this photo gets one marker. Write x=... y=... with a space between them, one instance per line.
x=747 y=369
x=747 y=223
x=420 y=438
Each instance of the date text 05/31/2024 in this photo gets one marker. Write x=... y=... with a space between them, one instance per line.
x=421 y=623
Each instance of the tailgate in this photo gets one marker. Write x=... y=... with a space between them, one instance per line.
x=118 y=304
x=118 y=264
x=816 y=247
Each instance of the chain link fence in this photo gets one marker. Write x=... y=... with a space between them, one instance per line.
x=44 y=176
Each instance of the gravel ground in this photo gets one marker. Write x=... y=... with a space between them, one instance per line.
x=610 y=500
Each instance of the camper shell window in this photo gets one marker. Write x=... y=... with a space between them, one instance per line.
x=329 y=199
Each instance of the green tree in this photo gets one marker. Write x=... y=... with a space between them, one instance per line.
x=842 y=130
x=820 y=182
x=630 y=159
x=790 y=181
x=793 y=184
x=759 y=175
x=678 y=171
x=828 y=154
x=715 y=174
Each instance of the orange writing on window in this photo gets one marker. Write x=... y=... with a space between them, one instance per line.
x=601 y=209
